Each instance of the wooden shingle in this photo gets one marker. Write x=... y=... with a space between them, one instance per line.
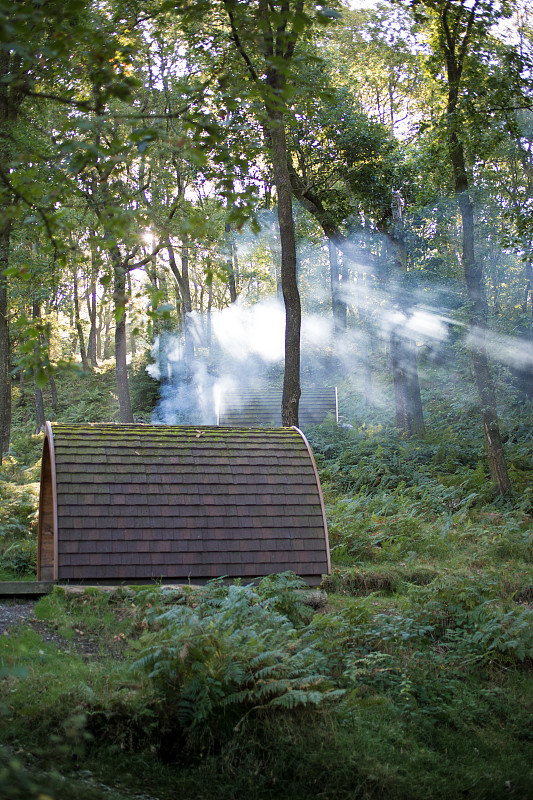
x=141 y=503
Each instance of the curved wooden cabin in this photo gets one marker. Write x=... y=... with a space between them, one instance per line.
x=142 y=503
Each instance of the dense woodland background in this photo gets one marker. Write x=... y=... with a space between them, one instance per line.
x=201 y=198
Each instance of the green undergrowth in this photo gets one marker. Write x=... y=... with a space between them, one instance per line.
x=415 y=680
x=421 y=688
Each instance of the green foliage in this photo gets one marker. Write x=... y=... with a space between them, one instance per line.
x=144 y=390
x=17 y=783
x=20 y=558
x=227 y=656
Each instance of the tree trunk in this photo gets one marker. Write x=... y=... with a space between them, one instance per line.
x=91 y=307
x=107 y=332
x=409 y=413
x=5 y=444
x=121 y=365
x=99 y=326
x=208 y=337
x=367 y=375
x=39 y=403
x=129 y=326
x=230 y=263
x=53 y=391
x=12 y=80
x=338 y=305
x=5 y=382
x=153 y=279
x=456 y=26
x=289 y=282
x=77 y=319
x=22 y=389
x=183 y=284
x=476 y=294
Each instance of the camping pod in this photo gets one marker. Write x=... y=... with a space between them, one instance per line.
x=142 y=503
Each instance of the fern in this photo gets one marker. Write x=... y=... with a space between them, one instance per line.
x=230 y=654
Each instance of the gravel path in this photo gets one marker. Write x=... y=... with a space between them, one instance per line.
x=22 y=612
x=13 y=612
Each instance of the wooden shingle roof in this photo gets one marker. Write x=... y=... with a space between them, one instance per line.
x=257 y=407
x=136 y=503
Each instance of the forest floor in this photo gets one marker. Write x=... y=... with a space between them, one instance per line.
x=413 y=682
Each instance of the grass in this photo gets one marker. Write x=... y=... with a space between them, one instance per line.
x=425 y=713
x=425 y=645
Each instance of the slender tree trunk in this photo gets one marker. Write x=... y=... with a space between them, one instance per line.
x=39 y=403
x=73 y=333
x=153 y=279
x=456 y=24
x=278 y=37
x=230 y=262
x=107 y=331
x=409 y=413
x=5 y=382
x=121 y=364
x=22 y=389
x=12 y=79
x=53 y=391
x=275 y=252
x=367 y=375
x=129 y=326
x=7 y=430
x=79 y=328
x=338 y=305
x=51 y=381
x=476 y=294
x=183 y=284
x=400 y=385
x=91 y=307
x=208 y=320
x=528 y=275
x=289 y=282
x=99 y=326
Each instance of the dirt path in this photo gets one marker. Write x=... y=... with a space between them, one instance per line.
x=13 y=612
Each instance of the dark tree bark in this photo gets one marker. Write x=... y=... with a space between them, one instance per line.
x=39 y=403
x=53 y=392
x=107 y=332
x=129 y=326
x=121 y=343
x=457 y=24
x=409 y=414
x=12 y=90
x=91 y=307
x=231 y=258
x=208 y=331
x=338 y=305
x=408 y=400
x=528 y=291
x=5 y=380
x=289 y=282
x=77 y=319
x=277 y=45
x=184 y=287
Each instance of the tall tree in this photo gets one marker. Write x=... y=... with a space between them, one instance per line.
x=458 y=35
x=277 y=26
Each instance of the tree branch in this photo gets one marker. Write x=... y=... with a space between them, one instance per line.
x=238 y=43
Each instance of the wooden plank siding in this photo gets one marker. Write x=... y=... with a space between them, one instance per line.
x=138 y=503
x=254 y=407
